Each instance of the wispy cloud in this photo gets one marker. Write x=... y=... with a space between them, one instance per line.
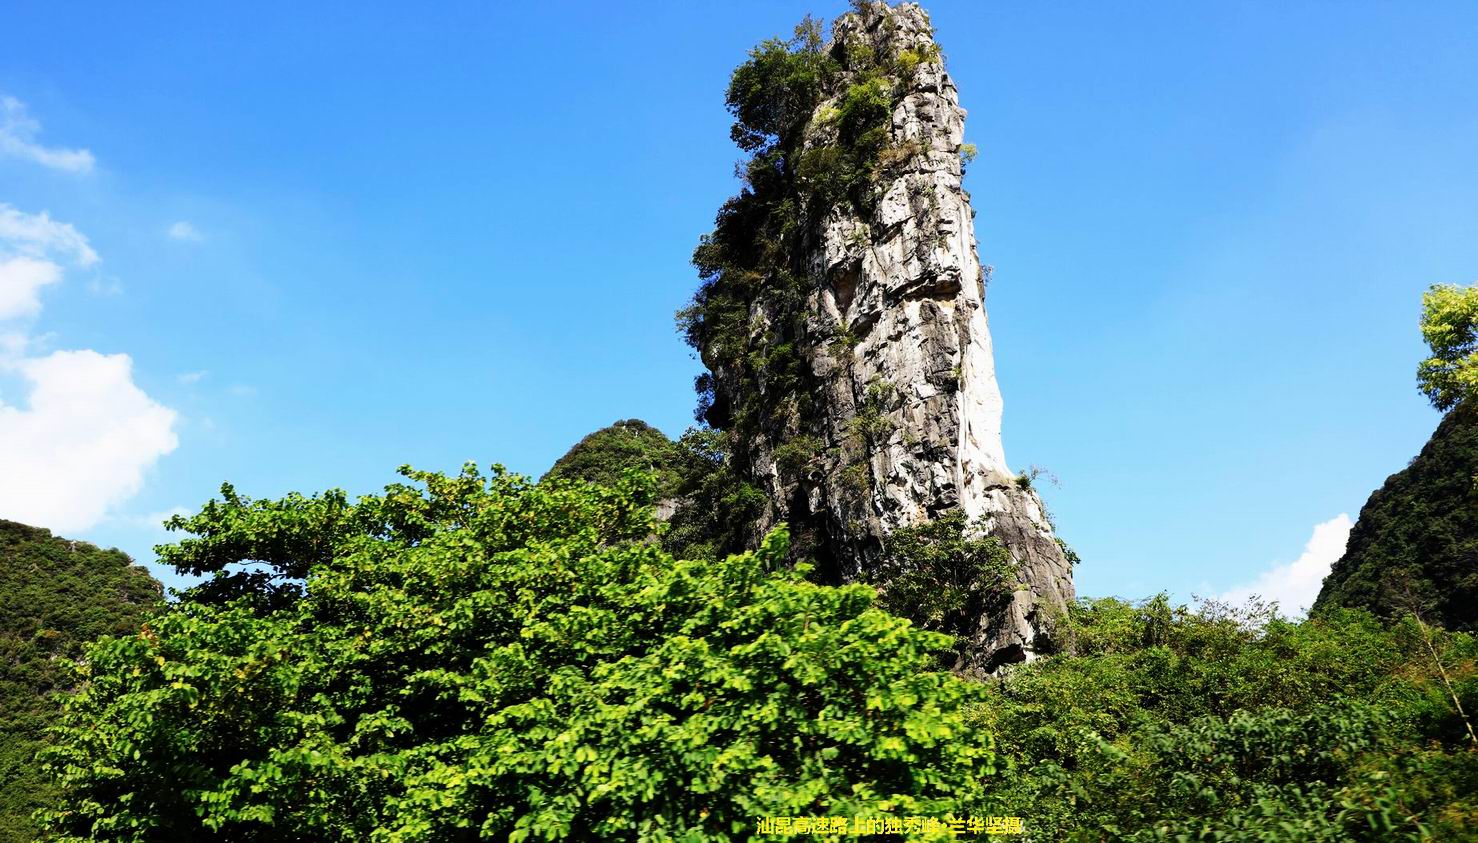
x=30 y=247
x=105 y=286
x=241 y=390
x=38 y=235
x=155 y=520
x=183 y=230
x=1295 y=585
x=188 y=378
x=18 y=131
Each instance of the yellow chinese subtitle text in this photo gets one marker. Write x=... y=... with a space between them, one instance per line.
x=870 y=826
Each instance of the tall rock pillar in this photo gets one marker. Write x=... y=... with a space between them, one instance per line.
x=900 y=422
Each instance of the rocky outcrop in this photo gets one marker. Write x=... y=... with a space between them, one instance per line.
x=904 y=421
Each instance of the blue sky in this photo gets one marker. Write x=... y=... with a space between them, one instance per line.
x=331 y=239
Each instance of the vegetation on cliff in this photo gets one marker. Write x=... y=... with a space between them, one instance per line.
x=801 y=388
x=55 y=596
x=1450 y=328
x=943 y=574
x=800 y=163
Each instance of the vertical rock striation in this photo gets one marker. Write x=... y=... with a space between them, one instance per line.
x=901 y=417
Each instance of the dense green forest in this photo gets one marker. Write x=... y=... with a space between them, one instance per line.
x=55 y=597
x=485 y=657
x=1232 y=724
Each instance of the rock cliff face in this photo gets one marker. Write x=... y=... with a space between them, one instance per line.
x=902 y=418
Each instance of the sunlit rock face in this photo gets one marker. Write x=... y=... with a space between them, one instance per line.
x=897 y=341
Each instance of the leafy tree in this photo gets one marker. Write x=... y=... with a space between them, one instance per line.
x=485 y=658
x=55 y=596
x=942 y=574
x=1450 y=327
x=717 y=508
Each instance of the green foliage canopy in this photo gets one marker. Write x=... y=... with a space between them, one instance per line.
x=485 y=658
x=942 y=574
x=1450 y=328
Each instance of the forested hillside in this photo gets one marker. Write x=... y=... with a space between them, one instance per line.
x=1415 y=545
x=56 y=596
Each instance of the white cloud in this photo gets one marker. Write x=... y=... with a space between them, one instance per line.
x=82 y=438
x=30 y=246
x=188 y=378
x=18 y=132
x=184 y=231
x=82 y=443
x=21 y=279
x=38 y=235
x=1295 y=585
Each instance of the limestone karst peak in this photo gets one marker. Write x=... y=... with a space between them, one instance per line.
x=843 y=323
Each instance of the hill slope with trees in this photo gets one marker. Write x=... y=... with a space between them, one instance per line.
x=56 y=596
x=1415 y=545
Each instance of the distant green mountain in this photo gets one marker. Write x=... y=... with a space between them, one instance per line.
x=1416 y=542
x=55 y=596
x=604 y=455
